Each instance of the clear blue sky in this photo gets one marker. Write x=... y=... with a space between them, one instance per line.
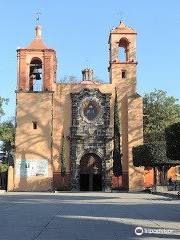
x=78 y=31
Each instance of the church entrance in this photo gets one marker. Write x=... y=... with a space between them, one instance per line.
x=90 y=173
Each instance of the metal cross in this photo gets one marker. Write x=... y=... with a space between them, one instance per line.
x=37 y=16
x=121 y=15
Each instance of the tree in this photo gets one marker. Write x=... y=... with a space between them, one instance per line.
x=117 y=167
x=98 y=80
x=7 y=136
x=69 y=79
x=72 y=79
x=2 y=101
x=3 y=137
x=172 y=134
x=160 y=111
x=153 y=155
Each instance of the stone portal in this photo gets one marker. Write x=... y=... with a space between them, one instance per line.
x=91 y=136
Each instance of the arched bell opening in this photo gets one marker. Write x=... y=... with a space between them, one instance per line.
x=90 y=173
x=123 y=50
x=35 y=75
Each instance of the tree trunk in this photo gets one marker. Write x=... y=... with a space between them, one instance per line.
x=155 y=177
x=161 y=175
x=166 y=168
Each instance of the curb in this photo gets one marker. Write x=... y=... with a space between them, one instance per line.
x=165 y=194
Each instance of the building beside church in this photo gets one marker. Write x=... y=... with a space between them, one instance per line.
x=65 y=131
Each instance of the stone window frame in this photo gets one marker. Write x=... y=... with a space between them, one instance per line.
x=100 y=111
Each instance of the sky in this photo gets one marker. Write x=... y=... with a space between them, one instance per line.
x=78 y=31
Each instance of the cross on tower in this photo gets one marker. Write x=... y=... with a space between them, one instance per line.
x=120 y=15
x=37 y=16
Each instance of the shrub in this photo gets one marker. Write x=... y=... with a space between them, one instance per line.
x=172 y=134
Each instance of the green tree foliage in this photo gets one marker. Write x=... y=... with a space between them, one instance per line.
x=160 y=111
x=63 y=158
x=3 y=136
x=7 y=135
x=2 y=101
x=172 y=134
x=7 y=138
x=3 y=167
x=117 y=167
x=153 y=155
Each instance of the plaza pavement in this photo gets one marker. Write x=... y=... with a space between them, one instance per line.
x=87 y=216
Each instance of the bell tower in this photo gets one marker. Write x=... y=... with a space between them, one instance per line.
x=122 y=70
x=122 y=64
x=36 y=65
x=36 y=82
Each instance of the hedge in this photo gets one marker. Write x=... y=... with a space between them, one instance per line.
x=172 y=135
x=151 y=155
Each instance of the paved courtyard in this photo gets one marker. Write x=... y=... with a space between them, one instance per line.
x=87 y=216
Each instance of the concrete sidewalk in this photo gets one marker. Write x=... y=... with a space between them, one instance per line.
x=87 y=216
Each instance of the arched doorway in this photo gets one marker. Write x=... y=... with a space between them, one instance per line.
x=90 y=173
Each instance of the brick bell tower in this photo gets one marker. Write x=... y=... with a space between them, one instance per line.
x=34 y=105
x=36 y=65
x=122 y=69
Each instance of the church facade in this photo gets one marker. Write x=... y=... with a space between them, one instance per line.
x=65 y=131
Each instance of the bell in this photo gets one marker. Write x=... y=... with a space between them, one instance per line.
x=35 y=70
x=38 y=76
x=37 y=73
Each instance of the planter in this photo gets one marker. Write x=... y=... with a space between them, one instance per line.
x=160 y=188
